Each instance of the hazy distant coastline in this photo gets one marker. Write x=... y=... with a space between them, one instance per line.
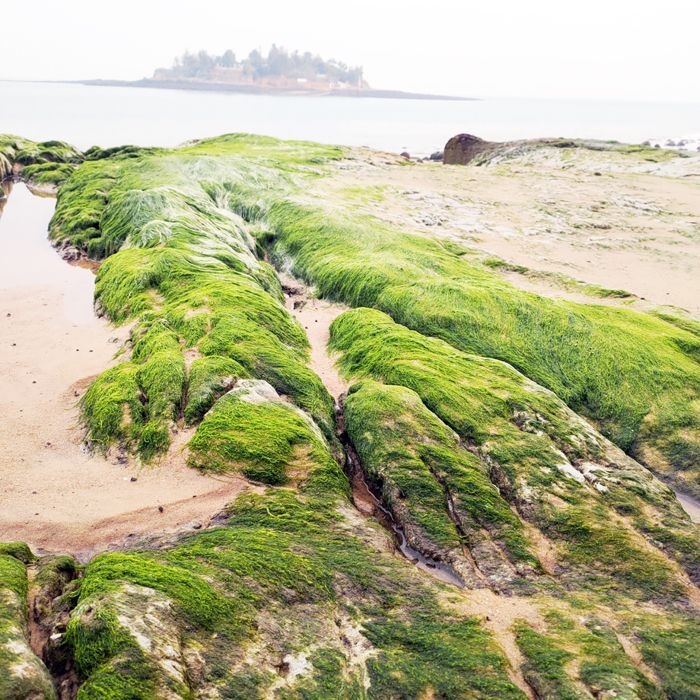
x=278 y=73
x=269 y=90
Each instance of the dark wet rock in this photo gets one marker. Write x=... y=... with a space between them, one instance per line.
x=438 y=155
x=462 y=149
x=69 y=252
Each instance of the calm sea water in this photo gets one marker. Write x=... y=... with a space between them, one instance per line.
x=110 y=116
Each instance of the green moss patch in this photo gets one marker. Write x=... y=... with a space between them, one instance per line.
x=252 y=431
x=528 y=444
x=22 y=674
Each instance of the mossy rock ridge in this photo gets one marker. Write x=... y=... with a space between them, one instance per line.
x=544 y=460
x=188 y=271
x=291 y=599
x=424 y=416
x=636 y=376
x=22 y=674
x=48 y=163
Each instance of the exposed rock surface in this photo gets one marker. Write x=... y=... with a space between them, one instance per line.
x=23 y=676
x=464 y=148
x=459 y=420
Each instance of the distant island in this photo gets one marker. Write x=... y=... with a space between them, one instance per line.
x=279 y=69
x=280 y=72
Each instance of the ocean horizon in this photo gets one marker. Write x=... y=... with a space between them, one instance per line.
x=85 y=115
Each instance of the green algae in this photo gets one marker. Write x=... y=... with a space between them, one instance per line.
x=283 y=574
x=112 y=406
x=571 y=349
x=636 y=376
x=544 y=667
x=290 y=554
x=600 y=360
x=558 y=279
x=531 y=447
x=605 y=669
x=22 y=674
x=252 y=430
x=30 y=153
x=671 y=649
x=188 y=266
x=448 y=657
x=439 y=492
x=263 y=355
x=488 y=403
x=46 y=163
x=48 y=173
x=14 y=575
x=209 y=379
x=109 y=659
x=117 y=152
x=18 y=550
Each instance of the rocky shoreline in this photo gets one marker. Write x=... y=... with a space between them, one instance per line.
x=304 y=321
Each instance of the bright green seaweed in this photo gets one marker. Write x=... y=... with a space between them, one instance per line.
x=530 y=445
x=635 y=375
x=476 y=462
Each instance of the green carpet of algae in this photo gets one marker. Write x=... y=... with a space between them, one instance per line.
x=471 y=456
x=47 y=163
x=635 y=375
x=435 y=428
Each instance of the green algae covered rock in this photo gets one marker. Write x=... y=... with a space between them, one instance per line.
x=253 y=430
x=290 y=599
x=22 y=675
x=210 y=378
x=635 y=376
x=49 y=163
x=462 y=419
x=469 y=452
x=438 y=492
x=557 y=472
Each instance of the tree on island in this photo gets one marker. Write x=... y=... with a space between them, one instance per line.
x=257 y=68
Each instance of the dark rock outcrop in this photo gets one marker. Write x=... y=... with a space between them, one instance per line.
x=463 y=148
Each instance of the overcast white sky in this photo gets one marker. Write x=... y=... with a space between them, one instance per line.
x=608 y=49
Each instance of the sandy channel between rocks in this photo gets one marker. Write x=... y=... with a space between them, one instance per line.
x=316 y=316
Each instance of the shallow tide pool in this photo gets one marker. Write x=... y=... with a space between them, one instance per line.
x=27 y=258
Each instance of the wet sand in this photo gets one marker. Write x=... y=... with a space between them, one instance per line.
x=690 y=506
x=316 y=316
x=619 y=230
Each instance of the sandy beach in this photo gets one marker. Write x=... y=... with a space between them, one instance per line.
x=619 y=230
x=54 y=494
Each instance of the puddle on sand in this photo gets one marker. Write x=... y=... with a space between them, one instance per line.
x=690 y=506
x=368 y=504
x=27 y=258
